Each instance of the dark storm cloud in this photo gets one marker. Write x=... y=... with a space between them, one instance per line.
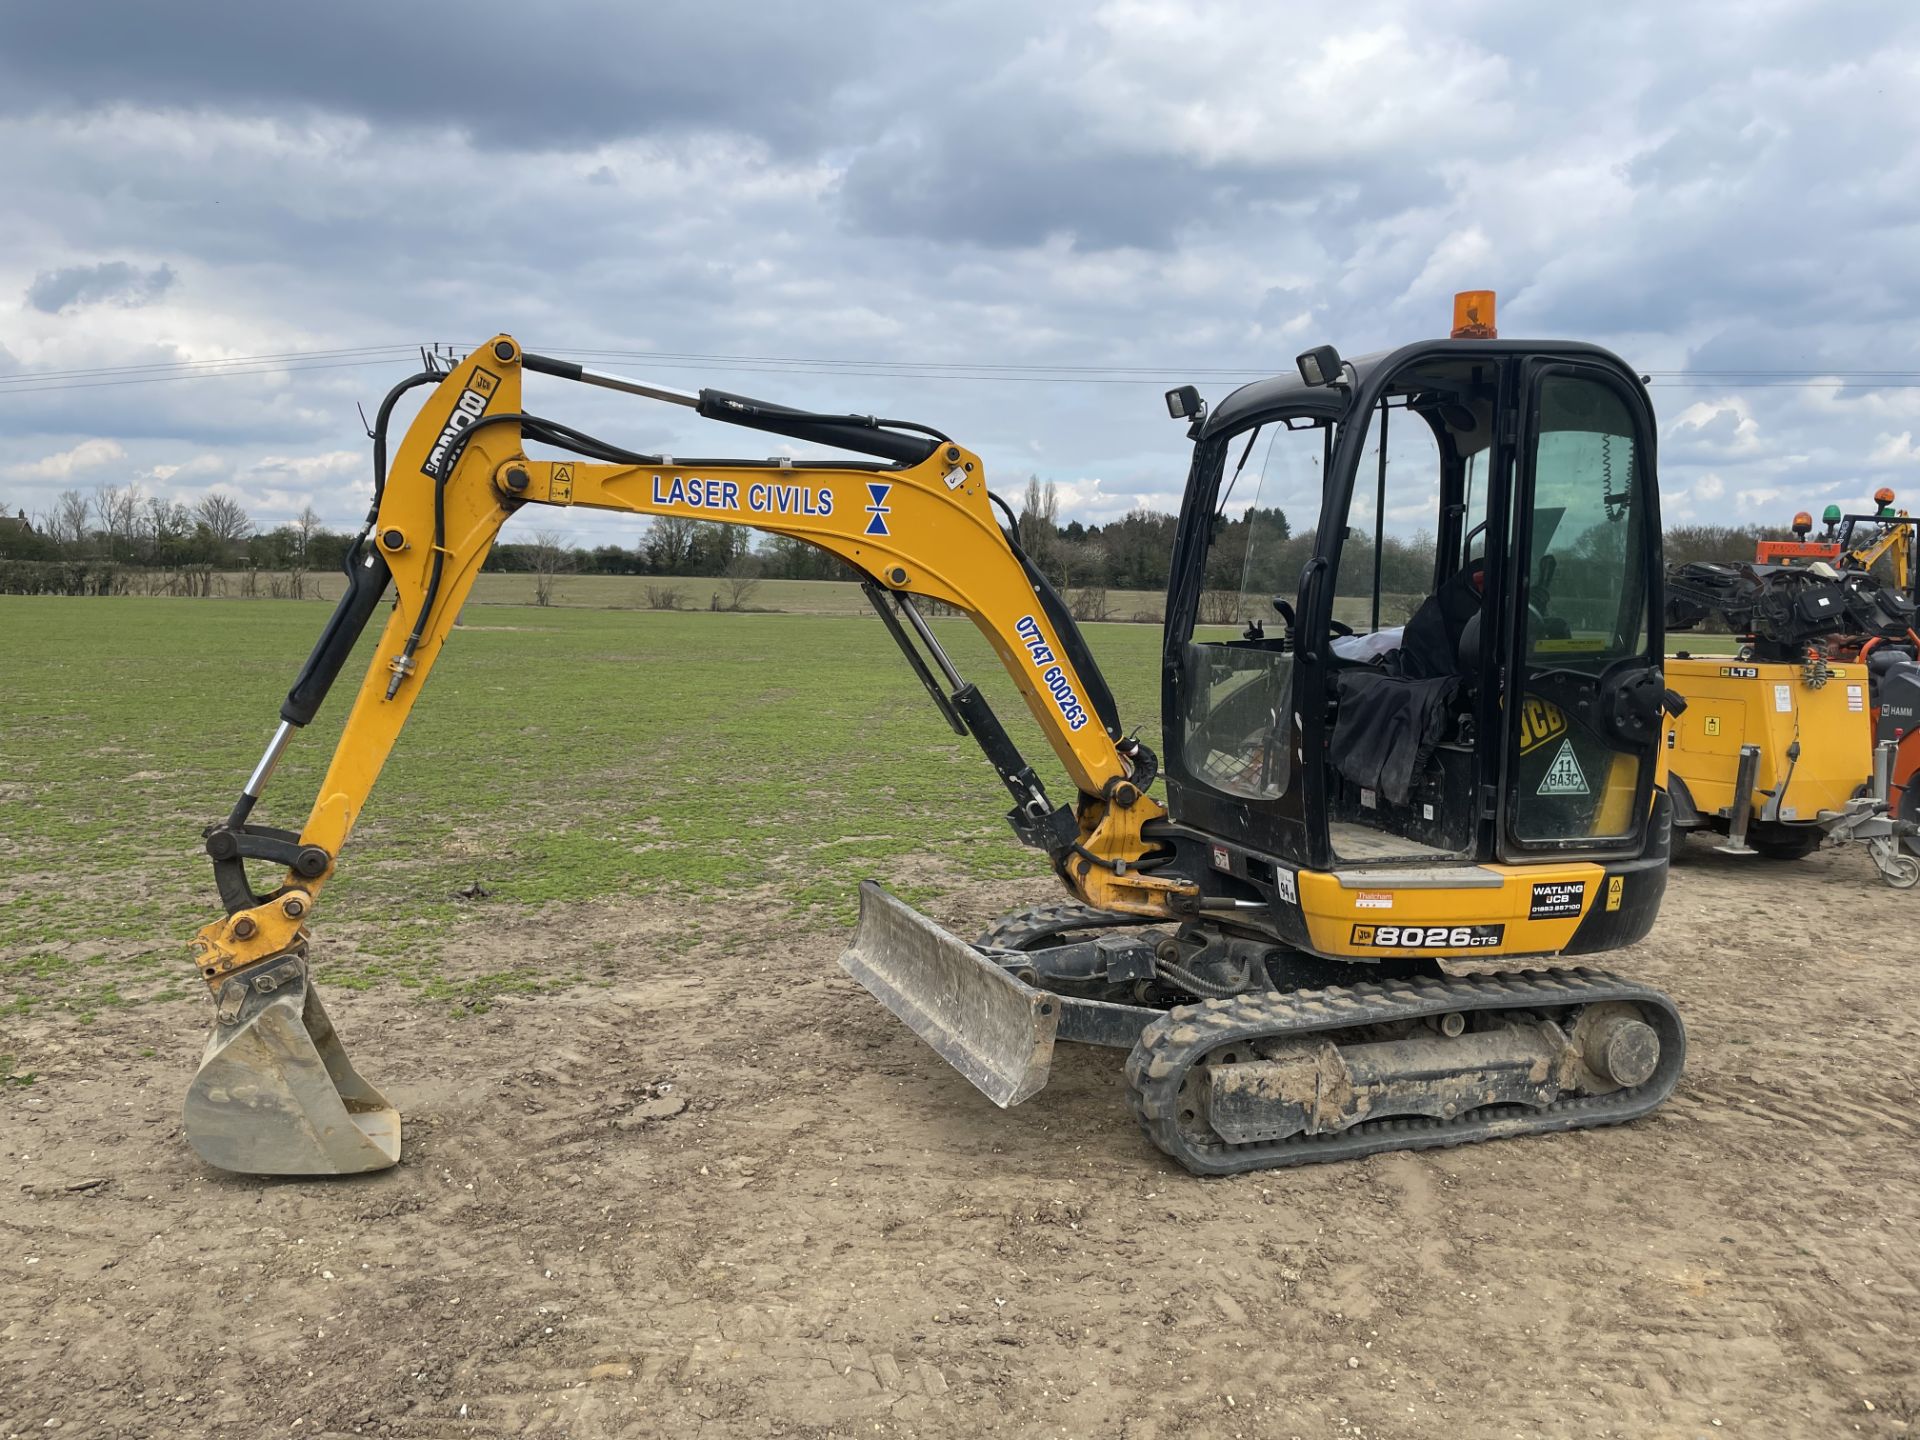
x=1208 y=184
x=54 y=291
x=510 y=74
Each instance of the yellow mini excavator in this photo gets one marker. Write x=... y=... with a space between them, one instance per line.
x=1358 y=920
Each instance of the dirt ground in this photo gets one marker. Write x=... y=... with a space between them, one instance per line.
x=731 y=1196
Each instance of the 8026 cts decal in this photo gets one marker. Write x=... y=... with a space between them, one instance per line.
x=1429 y=937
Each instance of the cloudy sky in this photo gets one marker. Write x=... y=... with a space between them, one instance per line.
x=1017 y=222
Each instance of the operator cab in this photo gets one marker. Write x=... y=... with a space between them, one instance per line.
x=1406 y=585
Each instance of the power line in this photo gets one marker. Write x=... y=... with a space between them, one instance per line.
x=288 y=355
x=295 y=361
x=30 y=389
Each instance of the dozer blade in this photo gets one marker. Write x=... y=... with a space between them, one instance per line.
x=275 y=1093
x=981 y=1019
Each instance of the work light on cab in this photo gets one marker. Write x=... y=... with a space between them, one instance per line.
x=1473 y=316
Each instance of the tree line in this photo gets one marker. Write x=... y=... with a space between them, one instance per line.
x=121 y=540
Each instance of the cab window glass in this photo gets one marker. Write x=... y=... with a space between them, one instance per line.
x=1587 y=583
x=1274 y=476
x=1237 y=729
x=1586 y=611
x=1386 y=565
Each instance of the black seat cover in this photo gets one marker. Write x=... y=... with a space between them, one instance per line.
x=1388 y=727
x=1392 y=716
x=1431 y=646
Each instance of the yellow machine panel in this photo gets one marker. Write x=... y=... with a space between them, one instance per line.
x=1733 y=703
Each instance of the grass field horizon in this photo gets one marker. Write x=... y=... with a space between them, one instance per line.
x=556 y=755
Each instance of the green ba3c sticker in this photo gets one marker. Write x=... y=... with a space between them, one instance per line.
x=1564 y=776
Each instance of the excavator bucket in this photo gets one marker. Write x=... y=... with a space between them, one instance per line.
x=275 y=1093
x=978 y=1016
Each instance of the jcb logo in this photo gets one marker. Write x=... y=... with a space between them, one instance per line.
x=471 y=405
x=1540 y=721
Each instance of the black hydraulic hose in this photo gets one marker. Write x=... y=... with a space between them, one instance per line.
x=941 y=436
x=366 y=582
x=425 y=377
x=454 y=451
x=380 y=422
x=553 y=432
x=1194 y=985
x=1013 y=525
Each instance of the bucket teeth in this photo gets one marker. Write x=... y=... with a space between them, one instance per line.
x=275 y=1093
x=979 y=1018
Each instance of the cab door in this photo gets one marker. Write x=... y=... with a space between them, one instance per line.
x=1582 y=692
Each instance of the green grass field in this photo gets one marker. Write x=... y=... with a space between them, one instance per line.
x=558 y=755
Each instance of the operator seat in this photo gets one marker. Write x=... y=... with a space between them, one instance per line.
x=1443 y=637
x=1391 y=716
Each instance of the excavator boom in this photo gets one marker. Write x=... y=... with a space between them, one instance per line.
x=276 y=1092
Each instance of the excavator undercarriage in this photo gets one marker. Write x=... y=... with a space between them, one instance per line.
x=1334 y=937
x=1288 y=1060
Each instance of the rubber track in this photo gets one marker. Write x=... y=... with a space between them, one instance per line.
x=1173 y=1044
x=1023 y=929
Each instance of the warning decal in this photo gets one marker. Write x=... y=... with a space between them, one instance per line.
x=1563 y=776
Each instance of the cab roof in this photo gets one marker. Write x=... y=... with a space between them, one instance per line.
x=1260 y=398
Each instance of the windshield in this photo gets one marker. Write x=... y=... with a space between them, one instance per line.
x=1237 y=729
x=1257 y=552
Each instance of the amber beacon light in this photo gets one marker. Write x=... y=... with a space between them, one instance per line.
x=1473 y=316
